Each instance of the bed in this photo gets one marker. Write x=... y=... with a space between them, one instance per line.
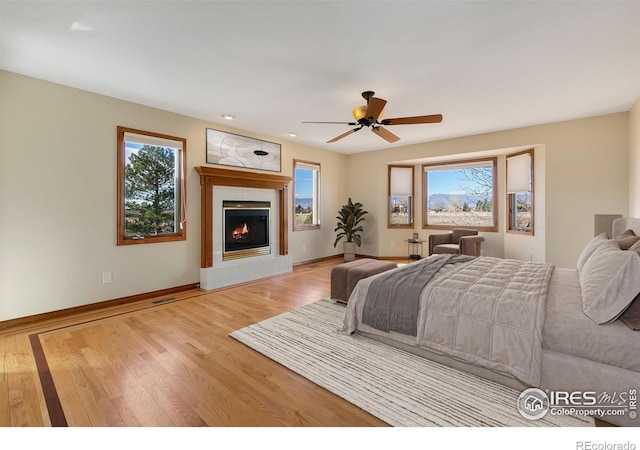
x=521 y=324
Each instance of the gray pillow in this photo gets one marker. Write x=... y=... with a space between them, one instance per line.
x=626 y=239
x=590 y=248
x=609 y=280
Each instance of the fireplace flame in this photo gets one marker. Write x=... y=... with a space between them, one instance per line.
x=240 y=233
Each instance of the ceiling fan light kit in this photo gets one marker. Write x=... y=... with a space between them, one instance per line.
x=369 y=116
x=359 y=112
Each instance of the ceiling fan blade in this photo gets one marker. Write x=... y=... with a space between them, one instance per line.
x=434 y=118
x=339 y=123
x=375 y=107
x=385 y=134
x=344 y=134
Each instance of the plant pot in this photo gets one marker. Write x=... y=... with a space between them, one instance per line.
x=349 y=249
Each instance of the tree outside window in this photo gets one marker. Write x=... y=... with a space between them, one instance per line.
x=151 y=189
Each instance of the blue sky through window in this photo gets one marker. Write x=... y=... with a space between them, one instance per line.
x=304 y=183
x=449 y=182
x=130 y=148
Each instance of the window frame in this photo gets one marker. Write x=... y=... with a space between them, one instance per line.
x=511 y=197
x=181 y=233
x=493 y=162
x=316 y=201
x=411 y=202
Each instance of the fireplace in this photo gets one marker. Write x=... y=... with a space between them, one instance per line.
x=246 y=229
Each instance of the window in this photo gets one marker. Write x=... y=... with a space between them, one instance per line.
x=460 y=194
x=401 y=196
x=520 y=192
x=151 y=187
x=306 y=193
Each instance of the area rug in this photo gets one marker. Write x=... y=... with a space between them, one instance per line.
x=396 y=386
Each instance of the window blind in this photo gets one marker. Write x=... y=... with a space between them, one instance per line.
x=401 y=180
x=519 y=173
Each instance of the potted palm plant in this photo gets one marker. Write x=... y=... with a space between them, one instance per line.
x=349 y=219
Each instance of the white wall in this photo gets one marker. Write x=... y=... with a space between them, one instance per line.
x=58 y=199
x=58 y=193
x=585 y=170
x=307 y=245
x=523 y=247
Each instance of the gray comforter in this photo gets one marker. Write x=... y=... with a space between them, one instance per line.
x=487 y=311
x=393 y=298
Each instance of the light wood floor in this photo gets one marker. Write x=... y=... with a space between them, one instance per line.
x=171 y=364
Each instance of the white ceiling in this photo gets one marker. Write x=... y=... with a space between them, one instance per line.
x=485 y=66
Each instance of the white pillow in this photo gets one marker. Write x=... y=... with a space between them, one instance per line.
x=590 y=248
x=609 y=280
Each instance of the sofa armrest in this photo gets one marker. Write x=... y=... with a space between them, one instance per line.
x=471 y=245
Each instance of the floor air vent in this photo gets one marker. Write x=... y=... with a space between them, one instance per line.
x=163 y=300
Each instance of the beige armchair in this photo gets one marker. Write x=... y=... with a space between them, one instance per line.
x=458 y=241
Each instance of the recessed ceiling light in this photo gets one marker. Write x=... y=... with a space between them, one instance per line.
x=292 y=134
x=80 y=26
x=228 y=116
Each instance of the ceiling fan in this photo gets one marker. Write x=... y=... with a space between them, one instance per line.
x=369 y=116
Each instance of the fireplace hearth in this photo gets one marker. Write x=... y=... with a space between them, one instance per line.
x=246 y=229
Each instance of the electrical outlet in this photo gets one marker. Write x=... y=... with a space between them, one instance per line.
x=106 y=277
x=304 y=248
x=392 y=244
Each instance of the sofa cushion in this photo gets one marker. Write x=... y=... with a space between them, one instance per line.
x=446 y=248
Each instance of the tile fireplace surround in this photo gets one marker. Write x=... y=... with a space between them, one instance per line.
x=217 y=185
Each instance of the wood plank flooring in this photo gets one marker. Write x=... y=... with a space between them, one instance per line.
x=171 y=364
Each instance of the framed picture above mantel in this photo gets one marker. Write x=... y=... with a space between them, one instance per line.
x=229 y=149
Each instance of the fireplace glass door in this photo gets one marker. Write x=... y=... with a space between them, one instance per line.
x=246 y=229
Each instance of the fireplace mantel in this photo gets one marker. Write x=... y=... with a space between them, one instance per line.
x=213 y=176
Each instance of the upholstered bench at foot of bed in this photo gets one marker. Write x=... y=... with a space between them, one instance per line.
x=344 y=277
